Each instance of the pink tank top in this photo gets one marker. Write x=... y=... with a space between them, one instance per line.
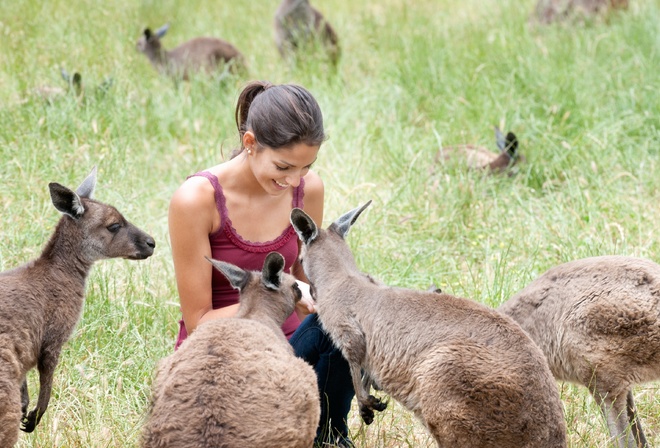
x=227 y=245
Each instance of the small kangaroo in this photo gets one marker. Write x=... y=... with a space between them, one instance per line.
x=235 y=382
x=201 y=54
x=548 y=11
x=598 y=322
x=41 y=301
x=298 y=25
x=469 y=373
x=480 y=158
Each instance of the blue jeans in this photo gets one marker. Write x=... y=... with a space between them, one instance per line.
x=311 y=343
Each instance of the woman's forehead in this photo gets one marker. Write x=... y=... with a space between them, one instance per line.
x=298 y=154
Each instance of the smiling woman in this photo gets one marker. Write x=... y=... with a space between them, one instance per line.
x=238 y=212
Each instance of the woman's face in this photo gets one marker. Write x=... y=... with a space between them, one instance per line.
x=281 y=169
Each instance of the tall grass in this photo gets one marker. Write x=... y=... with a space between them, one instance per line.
x=583 y=99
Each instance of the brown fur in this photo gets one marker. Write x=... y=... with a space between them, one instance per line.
x=547 y=11
x=598 y=322
x=201 y=54
x=469 y=373
x=41 y=301
x=482 y=159
x=299 y=25
x=235 y=382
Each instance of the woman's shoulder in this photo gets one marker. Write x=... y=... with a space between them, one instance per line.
x=313 y=184
x=196 y=191
x=314 y=196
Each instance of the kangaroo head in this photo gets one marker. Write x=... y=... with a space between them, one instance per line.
x=307 y=230
x=149 y=42
x=273 y=289
x=508 y=144
x=323 y=248
x=271 y=273
x=98 y=229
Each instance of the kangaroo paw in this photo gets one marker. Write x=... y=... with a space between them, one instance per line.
x=367 y=414
x=367 y=409
x=29 y=422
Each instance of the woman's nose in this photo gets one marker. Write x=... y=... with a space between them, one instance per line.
x=293 y=180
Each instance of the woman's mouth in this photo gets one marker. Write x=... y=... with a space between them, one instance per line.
x=283 y=186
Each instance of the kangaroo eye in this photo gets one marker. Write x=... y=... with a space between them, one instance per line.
x=114 y=228
x=297 y=291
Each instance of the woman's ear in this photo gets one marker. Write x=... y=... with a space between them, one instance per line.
x=248 y=140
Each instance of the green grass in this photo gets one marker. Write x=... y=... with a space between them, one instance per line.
x=583 y=100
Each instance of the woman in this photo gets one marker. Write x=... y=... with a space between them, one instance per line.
x=238 y=211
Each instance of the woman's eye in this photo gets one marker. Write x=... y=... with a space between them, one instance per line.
x=281 y=168
x=113 y=228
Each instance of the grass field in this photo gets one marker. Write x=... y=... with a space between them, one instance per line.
x=583 y=99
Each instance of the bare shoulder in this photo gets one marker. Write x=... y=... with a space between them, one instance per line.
x=314 y=196
x=194 y=201
x=194 y=192
x=313 y=185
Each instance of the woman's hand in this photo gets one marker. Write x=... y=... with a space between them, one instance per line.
x=306 y=305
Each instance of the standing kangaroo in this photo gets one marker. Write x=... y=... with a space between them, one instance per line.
x=598 y=322
x=41 y=301
x=469 y=373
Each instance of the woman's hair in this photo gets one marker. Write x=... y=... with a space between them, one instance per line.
x=279 y=116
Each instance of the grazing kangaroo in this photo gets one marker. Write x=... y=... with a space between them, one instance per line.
x=469 y=373
x=598 y=322
x=235 y=382
x=201 y=54
x=299 y=26
x=548 y=11
x=41 y=301
x=480 y=158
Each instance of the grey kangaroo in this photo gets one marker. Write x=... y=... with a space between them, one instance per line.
x=469 y=373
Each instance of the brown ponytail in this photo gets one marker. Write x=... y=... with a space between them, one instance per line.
x=279 y=116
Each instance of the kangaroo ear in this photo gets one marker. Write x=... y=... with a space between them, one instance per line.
x=304 y=226
x=160 y=32
x=511 y=144
x=86 y=188
x=344 y=223
x=147 y=33
x=65 y=75
x=271 y=274
x=499 y=139
x=66 y=200
x=236 y=276
x=77 y=80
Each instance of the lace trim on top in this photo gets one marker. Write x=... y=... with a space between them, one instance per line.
x=228 y=228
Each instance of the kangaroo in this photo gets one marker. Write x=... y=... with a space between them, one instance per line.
x=598 y=322
x=201 y=54
x=298 y=25
x=480 y=158
x=469 y=373
x=41 y=301
x=235 y=382
x=548 y=11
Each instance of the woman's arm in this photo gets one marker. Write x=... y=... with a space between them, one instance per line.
x=192 y=217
